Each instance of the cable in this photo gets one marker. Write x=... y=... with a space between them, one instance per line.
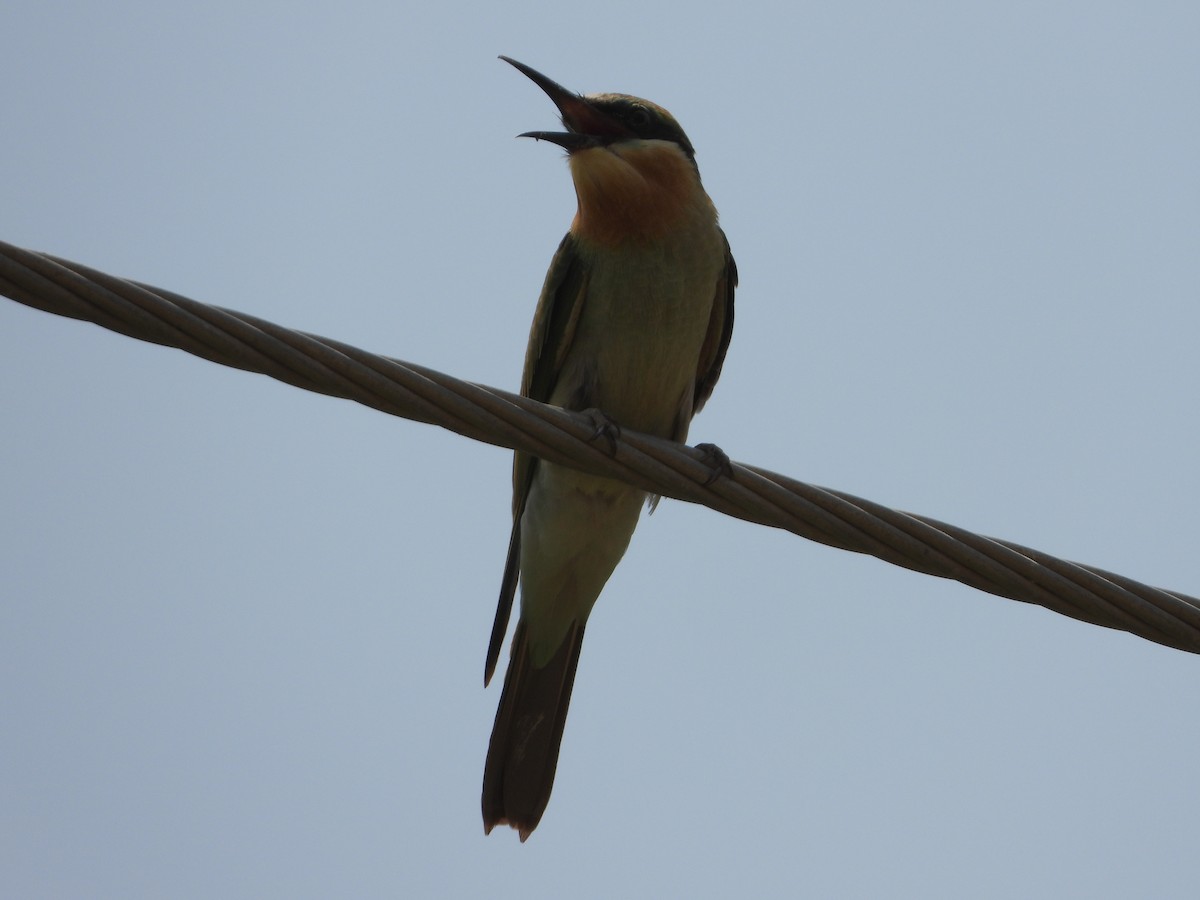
x=507 y=420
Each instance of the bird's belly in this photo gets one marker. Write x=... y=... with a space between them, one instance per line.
x=574 y=531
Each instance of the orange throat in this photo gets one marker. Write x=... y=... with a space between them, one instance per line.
x=633 y=191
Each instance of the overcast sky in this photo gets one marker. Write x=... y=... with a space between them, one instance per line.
x=242 y=627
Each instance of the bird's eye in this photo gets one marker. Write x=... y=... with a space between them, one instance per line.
x=639 y=117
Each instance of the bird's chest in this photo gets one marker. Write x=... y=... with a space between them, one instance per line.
x=642 y=327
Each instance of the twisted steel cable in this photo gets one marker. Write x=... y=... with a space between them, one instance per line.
x=507 y=420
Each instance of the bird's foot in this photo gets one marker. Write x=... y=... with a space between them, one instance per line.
x=717 y=461
x=605 y=427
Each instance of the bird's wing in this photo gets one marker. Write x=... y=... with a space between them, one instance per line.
x=550 y=339
x=720 y=330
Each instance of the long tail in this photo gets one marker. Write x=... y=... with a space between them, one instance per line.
x=523 y=754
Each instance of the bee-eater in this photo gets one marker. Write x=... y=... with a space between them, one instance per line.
x=633 y=323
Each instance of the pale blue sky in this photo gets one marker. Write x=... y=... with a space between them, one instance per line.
x=242 y=627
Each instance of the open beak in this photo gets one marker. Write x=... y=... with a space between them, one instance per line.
x=586 y=125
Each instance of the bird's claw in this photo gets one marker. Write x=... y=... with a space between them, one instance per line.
x=605 y=427
x=717 y=461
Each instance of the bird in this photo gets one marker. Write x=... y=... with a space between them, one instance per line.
x=632 y=327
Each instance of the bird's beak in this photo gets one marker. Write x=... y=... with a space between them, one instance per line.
x=586 y=125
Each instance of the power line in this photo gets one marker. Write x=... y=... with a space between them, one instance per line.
x=498 y=417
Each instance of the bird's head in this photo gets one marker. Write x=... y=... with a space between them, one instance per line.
x=634 y=168
x=599 y=120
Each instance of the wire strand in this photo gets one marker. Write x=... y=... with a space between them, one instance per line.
x=508 y=420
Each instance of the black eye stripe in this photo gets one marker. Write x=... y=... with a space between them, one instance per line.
x=643 y=120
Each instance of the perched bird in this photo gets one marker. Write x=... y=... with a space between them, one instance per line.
x=633 y=323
